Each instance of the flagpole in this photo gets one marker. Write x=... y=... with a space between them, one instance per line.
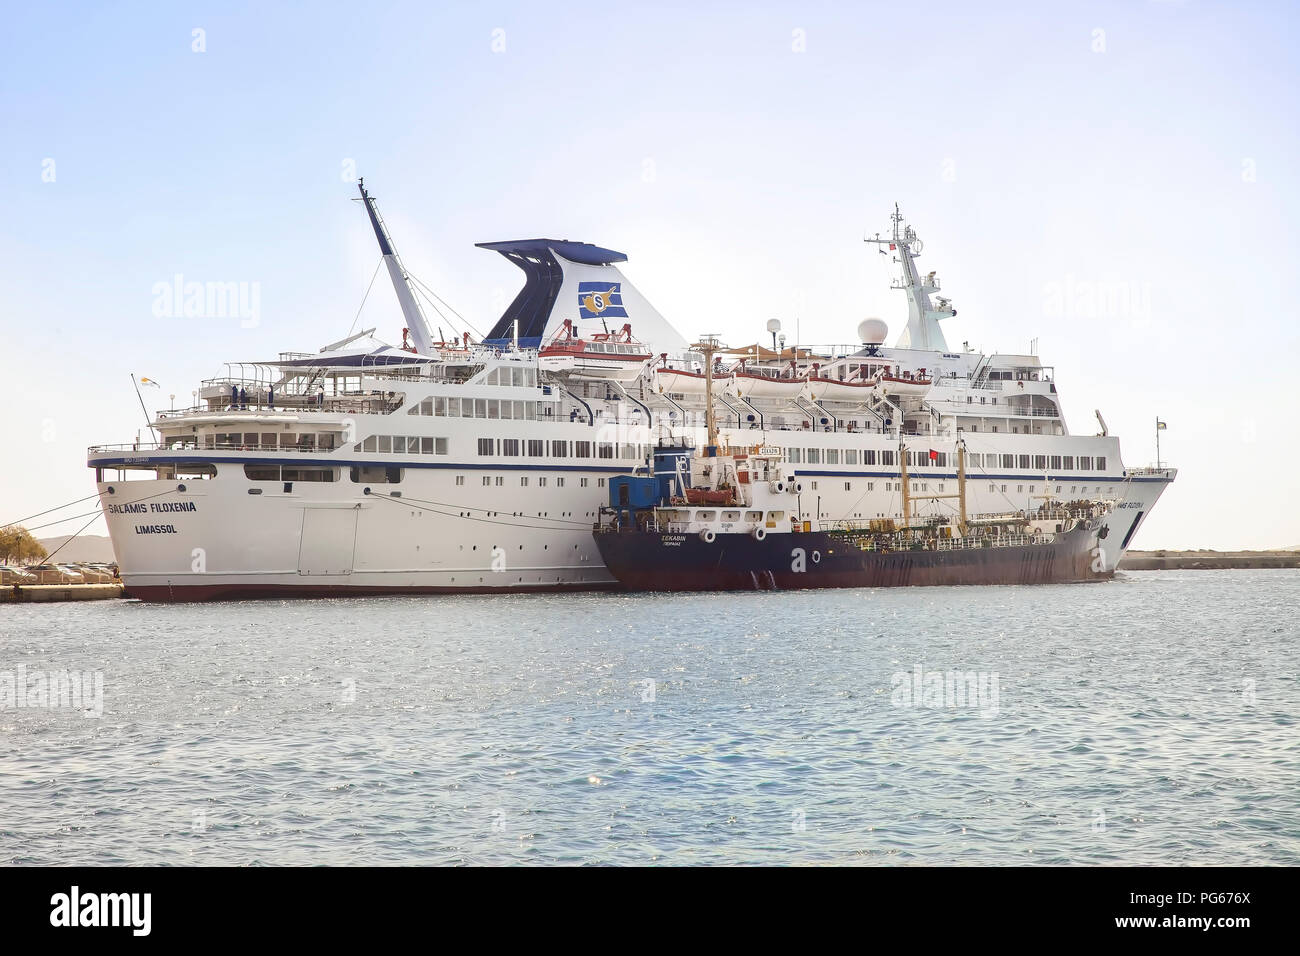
x=141 y=398
x=1157 y=441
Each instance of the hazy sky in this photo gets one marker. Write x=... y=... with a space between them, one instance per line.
x=1118 y=180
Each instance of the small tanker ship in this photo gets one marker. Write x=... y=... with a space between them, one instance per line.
x=736 y=520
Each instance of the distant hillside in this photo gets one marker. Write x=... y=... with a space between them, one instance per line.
x=87 y=547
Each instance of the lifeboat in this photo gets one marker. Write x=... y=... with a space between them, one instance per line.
x=710 y=496
x=833 y=390
x=677 y=380
x=606 y=356
x=906 y=383
x=753 y=385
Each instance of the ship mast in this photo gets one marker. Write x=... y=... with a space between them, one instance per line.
x=922 y=331
x=709 y=346
x=416 y=323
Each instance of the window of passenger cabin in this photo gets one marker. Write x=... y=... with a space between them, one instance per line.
x=486 y=446
x=832 y=456
x=887 y=457
x=559 y=482
x=848 y=486
x=1056 y=463
x=536 y=448
x=499 y=480
x=1040 y=462
x=1101 y=464
x=814 y=486
x=262 y=472
x=559 y=449
x=605 y=449
x=1008 y=461
x=814 y=456
x=460 y=479
x=440 y=406
x=1023 y=461
x=541 y=482
x=510 y=447
x=1085 y=463
x=487 y=480
x=794 y=455
x=480 y=408
x=370 y=475
x=582 y=482
x=850 y=456
x=582 y=449
x=627 y=451
x=600 y=482
x=869 y=457
x=523 y=481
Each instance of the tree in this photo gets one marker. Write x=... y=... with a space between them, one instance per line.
x=18 y=546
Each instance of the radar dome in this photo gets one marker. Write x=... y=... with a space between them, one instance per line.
x=872 y=331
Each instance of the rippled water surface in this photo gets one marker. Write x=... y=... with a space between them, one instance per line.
x=1148 y=720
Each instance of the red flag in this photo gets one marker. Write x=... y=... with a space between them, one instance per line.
x=934 y=455
x=892 y=247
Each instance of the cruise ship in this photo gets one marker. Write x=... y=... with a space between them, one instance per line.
x=447 y=464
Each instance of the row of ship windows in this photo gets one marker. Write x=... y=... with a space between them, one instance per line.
x=939 y=459
x=499 y=481
x=384 y=475
x=270 y=441
x=477 y=408
x=403 y=445
x=1040 y=462
x=537 y=448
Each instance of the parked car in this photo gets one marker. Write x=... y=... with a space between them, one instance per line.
x=55 y=574
x=92 y=574
x=11 y=575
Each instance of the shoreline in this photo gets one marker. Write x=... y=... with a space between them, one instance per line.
x=1207 y=560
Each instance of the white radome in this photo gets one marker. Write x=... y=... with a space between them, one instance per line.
x=872 y=331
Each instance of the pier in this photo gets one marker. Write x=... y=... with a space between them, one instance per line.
x=37 y=593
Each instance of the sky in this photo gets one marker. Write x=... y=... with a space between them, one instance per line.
x=1116 y=180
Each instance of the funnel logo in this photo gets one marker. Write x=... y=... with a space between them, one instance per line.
x=601 y=300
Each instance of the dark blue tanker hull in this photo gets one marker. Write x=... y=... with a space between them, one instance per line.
x=653 y=561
